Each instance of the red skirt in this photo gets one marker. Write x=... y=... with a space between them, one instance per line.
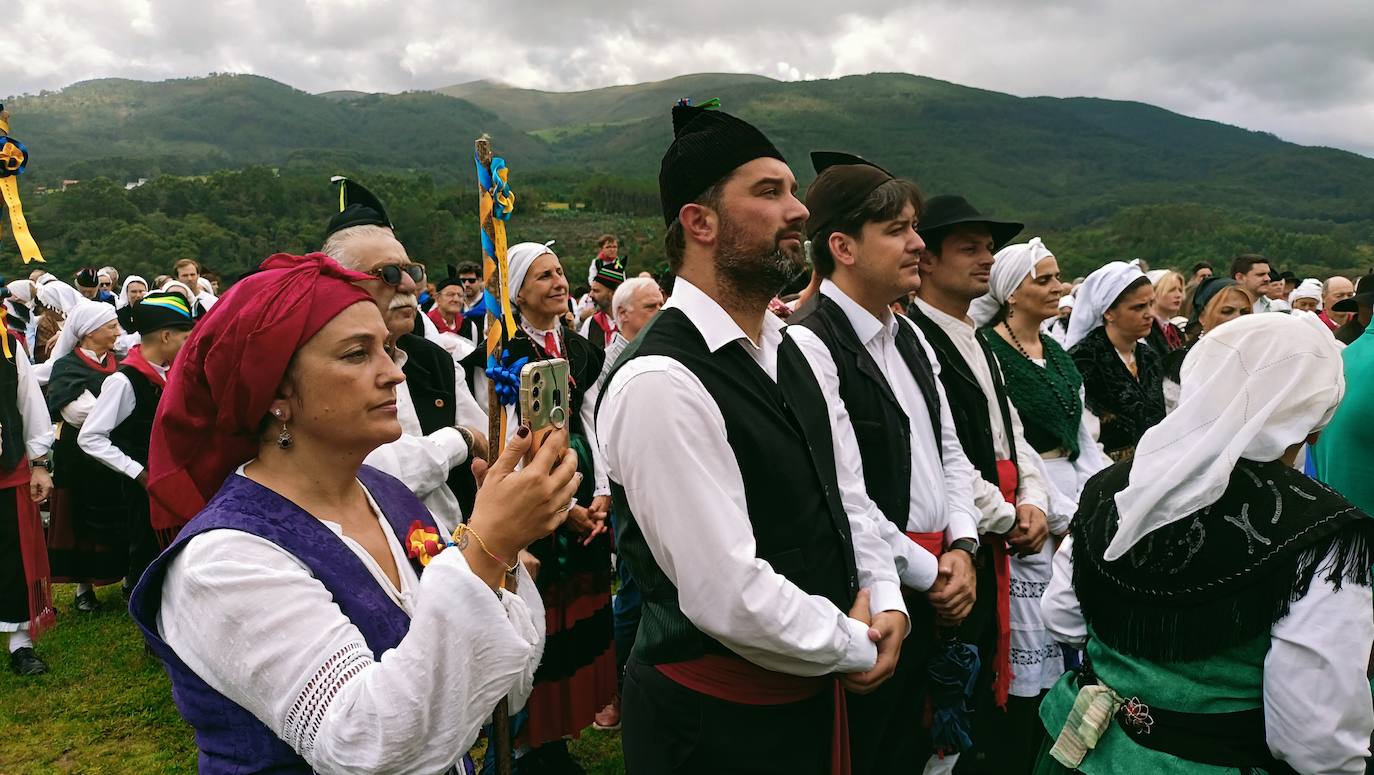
x=577 y=677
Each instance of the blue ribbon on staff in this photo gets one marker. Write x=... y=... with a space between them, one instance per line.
x=505 y=377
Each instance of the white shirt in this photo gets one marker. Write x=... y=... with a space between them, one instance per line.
x=600 y=480
x=1318 y=711
x=275 y=642
x=115 y=404
x=941 y=491
x=423 y=461
x=998 y=515
x=688 y=498
x=38 y=425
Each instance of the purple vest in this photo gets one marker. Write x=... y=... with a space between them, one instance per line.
x=233 y=741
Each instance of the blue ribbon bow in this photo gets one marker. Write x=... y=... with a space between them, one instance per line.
x=506 y=377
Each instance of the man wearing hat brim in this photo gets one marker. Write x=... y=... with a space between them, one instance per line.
x=1362 y=307
x=1011 y=493
x=893 y=428
x=119 y=427
x=728 y=502
x=599 y=327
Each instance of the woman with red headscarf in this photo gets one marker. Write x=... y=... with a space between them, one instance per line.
x=290 y=611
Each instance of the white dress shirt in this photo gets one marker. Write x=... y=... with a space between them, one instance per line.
x=665 y=442
x=421 y=461
x=250 y=620
x=600 y=480
x=998 y=515
x=941 y=490
x=38 y=425
x=1318 y=711
x=115 y=404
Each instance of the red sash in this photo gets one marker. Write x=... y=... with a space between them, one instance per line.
x=931 y=542
x=1007 y=480
x=33 y=548
x=733 y=679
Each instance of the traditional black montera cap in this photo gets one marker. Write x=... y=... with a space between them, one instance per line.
x=708 y=144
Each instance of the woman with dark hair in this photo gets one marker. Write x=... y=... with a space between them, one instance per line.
x=577 y=679
x=311 y=616
x=1223 y=597
x=1122 y=377
x=1043 y=384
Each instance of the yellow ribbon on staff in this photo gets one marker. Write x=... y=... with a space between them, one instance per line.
x=12 y=160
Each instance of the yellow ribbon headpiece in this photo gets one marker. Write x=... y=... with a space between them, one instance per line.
x=14 y=157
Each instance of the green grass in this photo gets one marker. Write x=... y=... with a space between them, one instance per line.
x=106 y=705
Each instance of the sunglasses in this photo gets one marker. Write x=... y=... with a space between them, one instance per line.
x=468 y=280
x=391 y=273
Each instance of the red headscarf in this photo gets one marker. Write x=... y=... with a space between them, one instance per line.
x=227 y=375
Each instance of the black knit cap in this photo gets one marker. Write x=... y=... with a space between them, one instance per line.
x=159 y=310
x=708 y=144
x=357 y=207
x=86 y=278
x=449 y=279
x=842 y=183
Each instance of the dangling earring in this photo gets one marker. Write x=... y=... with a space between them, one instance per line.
x=284 y=438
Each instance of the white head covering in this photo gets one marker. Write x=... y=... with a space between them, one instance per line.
x=59 y=296
x=46 y=277
x=1096 y=295
x=1155 y=275
x=205 y=286
x=1251 y=388
x=1066 y=301
x=1010 y=266
x=123 y=300
x=1308 y=289
x=181 y=288
x=518 y=260
x=21 y=291
x=105 y=272
x=82 y=319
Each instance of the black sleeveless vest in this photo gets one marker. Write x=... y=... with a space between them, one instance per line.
x=780 y=436
x=12 y=443
x=883 y=430
x=134 y=434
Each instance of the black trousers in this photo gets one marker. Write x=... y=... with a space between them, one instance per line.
x=143 y=548
x=1004 y=743
x=887 y=731
x=670 y=729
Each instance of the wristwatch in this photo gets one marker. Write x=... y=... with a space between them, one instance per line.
x=966 y=545
x=42 y=463
x=467 y=438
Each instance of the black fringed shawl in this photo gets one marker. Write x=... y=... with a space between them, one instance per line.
x=1224 y=575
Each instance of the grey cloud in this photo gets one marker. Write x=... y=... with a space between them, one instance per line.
x=1303 y=71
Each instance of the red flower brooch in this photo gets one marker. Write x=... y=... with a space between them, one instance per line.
x=423 y=543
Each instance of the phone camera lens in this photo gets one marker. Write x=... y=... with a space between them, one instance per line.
x=534 y=406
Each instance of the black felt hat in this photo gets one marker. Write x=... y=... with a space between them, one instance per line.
x=842 y=183
x=159 y=310
x=357 y=207
x=449 y=279
x=942 y=213
x=708 y=144
x=1364 y=296
x=87 y=278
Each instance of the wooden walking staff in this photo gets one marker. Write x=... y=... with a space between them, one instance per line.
x=496 y=203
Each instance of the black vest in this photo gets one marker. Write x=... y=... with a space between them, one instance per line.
x=12 y=443
x=882 y=429
x=968 y=405
x=134 y=434
x=780 y=436
x=433 y=381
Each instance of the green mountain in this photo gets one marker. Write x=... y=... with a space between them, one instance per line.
x=1099 y=179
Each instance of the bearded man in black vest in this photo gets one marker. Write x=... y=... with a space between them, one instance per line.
x=1011 y=493
x=892 y=426
x=762 y=597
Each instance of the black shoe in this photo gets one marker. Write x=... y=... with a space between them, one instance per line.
x=24 y=662
x=86 y=602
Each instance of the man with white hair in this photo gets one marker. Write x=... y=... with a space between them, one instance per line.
x=1333 y=290
x=441 y=426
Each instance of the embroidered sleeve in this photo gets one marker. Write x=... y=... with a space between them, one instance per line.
x=303 y=720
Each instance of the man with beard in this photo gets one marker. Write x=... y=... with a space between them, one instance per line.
x=442 y=427
x=1011 y=494
x=892 y=427
x=762 y=597
x=607 y=276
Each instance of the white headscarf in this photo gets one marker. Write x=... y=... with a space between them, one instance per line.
x=44 y=278
x=123 y=300
x=181 y=288
x=1309 y=289
x=57 y=295
x=21 y=291
x=1066 y=301
x=206 y=286
x=82 y=319
x=1251 y=388
x=519 y=258
x=1010 y=266
x=1096 y=295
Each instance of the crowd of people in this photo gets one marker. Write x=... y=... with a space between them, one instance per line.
x=861 y=484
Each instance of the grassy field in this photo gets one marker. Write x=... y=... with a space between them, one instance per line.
x=106 y=705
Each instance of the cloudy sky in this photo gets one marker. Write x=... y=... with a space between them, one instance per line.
x=1304 y=71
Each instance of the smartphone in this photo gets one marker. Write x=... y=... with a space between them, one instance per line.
x=544 y=400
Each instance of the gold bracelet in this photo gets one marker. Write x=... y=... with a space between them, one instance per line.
x=460 y=539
